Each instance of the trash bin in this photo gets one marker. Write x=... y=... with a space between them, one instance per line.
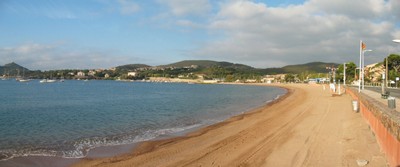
x=355 y=105
x=391 y=102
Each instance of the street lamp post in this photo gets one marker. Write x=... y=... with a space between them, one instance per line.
x=344 y=74
x=396 y=41
x=333 y=71
x=359 y=73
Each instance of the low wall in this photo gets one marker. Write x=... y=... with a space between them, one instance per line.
x=384 y=122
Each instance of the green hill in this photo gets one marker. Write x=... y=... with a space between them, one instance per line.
x=316 y=67
x=235 y=66
x=207 y=64
x=188 y=63
x=313 y=67
x=212 y=68
x=131 y=67
x=13 y=69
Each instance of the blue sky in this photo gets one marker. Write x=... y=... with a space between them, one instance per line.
x=56 y=34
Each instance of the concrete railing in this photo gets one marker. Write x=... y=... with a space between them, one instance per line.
x=384 y=122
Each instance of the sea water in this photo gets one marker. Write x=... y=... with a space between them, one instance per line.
x=67 y=119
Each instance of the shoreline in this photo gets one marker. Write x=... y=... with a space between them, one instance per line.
x=124 y=149
x=151 y=145
x=148 y=146
x=305 y=127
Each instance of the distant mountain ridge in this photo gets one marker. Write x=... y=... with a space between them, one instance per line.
x=207 y=64
x=185 y=63
x=130 y=67
x=12 y=69
x=316 y=67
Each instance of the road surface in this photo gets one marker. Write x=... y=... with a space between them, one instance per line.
x=394 y=92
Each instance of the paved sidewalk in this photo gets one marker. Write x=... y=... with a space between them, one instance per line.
x=377 y=96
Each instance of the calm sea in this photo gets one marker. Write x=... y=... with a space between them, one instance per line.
x=70 y=118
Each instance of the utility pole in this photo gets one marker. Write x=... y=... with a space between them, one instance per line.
x=359 y=75
x=333 y=72
x=383 y=84
x=344 y=74
x=387 y=76
x=363 y=70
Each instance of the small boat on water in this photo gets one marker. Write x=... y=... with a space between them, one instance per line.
x=24 y=80
x=5 y=75
x=47 y=81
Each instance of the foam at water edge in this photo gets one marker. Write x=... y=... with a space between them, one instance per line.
x=83 y=146
x=9 y=154
x=276 y=98
x=213 y=121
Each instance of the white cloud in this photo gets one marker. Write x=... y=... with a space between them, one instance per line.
x=355 y=9
x=189 y=23
x=187 y=7
x=394 y=9
x=396 y=34
x=45 y=57
x=318 y=30
x=241 y=31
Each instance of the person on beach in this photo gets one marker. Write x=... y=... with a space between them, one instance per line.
x=332 y=87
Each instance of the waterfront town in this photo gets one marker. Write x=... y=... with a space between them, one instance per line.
x=216 y=72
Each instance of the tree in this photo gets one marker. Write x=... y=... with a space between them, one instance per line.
x=289 y=78
x=394 y=62
x=304 y=75
x=393 y=65
x=229 y=78
x=350 y=71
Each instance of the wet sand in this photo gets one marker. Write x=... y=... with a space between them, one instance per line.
x=306 y=127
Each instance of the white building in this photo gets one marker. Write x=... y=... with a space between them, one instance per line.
x=81 y=74
x=268 y=80
x=210 y=81
x=91 y=73
x=251 y=80
x=132 y=74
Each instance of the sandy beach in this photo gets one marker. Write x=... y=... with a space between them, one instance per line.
x=306 y=127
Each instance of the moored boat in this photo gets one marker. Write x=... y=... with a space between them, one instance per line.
x=47 y=80
x=24 y=80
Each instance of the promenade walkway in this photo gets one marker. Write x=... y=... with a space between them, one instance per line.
x=383 y=121
x=377 y=97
